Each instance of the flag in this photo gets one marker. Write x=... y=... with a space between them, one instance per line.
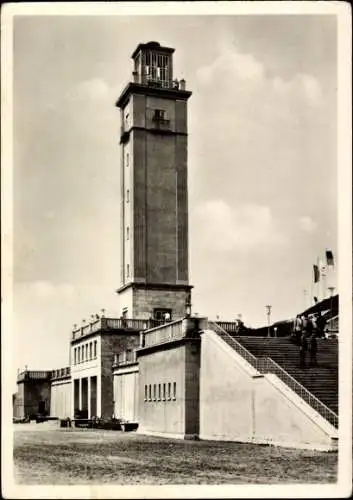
x=329 y=258
x=316 y=273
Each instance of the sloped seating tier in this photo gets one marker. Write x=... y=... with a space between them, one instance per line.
x=321 y=381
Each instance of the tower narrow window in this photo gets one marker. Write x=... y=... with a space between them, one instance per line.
x=127 y=271
x=174 y=390
x=86 y=352
x=163 y=397
x=90 y=350
x=149 y=392
x=75 y=355
x=169 y=391
x=95 y=349
x=127 y=159
x=145 y=392
x=128 y=233
x=128 y=196
x=154 y=392
x=159 y=392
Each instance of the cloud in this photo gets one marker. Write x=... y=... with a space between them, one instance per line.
x=235 y=69
x=307 y=224
x=243 y=66
x=95 y=89
x=242 y=228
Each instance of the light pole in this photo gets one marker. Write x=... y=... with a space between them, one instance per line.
x=331 y=289
x=268 y=308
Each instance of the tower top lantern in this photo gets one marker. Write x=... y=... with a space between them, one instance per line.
x=153 y=65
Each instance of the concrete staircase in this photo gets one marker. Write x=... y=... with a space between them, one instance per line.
x=321 y=381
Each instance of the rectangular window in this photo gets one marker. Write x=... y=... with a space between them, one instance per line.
x=163 y=397
x=78 y=354
x=82 y=353
x=154 y=392
x=75 y=354
x=169 y=391
x=174 y=390
x=149 y=393
x=145 y=392
x=95 y=349
x=160 y=115
x=90 y=350
x=128 y=196
x=86 y=352
x=159 y=392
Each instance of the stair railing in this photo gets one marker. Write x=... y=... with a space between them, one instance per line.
x=265 y=364
x=268 y=365
x=250 y=358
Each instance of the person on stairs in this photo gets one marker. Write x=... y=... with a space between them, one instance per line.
x=303 y=342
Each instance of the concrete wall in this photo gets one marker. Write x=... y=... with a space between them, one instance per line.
x=126 y=393
x=29 y=394
x=60 y=404
x=157 y=180
x=169 y=390
x=238 y=404
x=112 y=344
x=162 y=415
x=145 y=301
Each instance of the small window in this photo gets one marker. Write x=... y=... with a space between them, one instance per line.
x=160 y=314
x=174 y=390
x=163 y=397
x=127 y=233
x=159 y=392
x=149 y=392
x=127 y=270
x=128 y=196
x=169 y=391
x=127 y=159
x=145 y=392
x=154 y=392
x=160 y=115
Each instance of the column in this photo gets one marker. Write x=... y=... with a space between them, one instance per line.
x=99 y=395
x=89 y=396
x=80 y=394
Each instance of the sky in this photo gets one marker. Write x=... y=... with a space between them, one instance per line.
x=262 y=165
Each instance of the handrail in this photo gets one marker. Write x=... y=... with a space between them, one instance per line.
x=265 y=364
x=168 y=331
x=268 y=365
x=247 y=355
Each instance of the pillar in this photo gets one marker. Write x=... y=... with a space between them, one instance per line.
x=80 y=393
x=89 y=396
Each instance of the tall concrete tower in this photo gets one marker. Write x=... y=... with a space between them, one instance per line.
x=154 y=199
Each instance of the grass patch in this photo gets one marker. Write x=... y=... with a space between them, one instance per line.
x=65 y=456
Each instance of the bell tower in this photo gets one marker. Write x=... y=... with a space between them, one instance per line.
x=154 y=278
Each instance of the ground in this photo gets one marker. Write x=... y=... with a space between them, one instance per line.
x=48 y=455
